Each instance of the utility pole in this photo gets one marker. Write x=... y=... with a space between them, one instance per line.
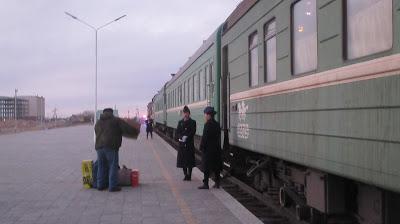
x=15 y=109
x=128 y=114
x=95 y=29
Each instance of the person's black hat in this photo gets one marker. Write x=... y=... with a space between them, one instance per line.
x=109 y=110
x=186 y=109
x=210 y=110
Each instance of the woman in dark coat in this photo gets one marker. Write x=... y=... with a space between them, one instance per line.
x=211 y=148
x=185 y=134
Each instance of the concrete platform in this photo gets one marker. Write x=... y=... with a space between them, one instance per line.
x=40 y=182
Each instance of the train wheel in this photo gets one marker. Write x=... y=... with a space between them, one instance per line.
x=284 y=199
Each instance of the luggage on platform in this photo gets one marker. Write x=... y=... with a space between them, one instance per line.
x=124 y=176
x=135 y=178
x=87 y=173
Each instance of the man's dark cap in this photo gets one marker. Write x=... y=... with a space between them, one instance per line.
x=210 y=110
x=110 y=110
x=186 y=109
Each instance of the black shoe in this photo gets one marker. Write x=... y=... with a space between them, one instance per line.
x=189 y=178
x=204 y=186
x=101 y=189
x=185 y=179
x=115 y=189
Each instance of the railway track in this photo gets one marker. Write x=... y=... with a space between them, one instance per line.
x=264 y=206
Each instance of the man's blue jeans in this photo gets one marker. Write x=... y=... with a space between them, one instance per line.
x=107 y=158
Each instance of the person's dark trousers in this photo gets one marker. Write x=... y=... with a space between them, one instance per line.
x=110 y=157
x=207 y=175
x=147 y=134
x=95 y=170
x=187 y=171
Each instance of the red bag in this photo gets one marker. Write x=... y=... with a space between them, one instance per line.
x=135 y=178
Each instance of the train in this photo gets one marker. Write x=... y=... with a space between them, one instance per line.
x=307 y=93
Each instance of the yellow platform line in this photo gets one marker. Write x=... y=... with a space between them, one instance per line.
x=183 y=206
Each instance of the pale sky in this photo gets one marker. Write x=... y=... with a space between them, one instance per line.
x=44 y=52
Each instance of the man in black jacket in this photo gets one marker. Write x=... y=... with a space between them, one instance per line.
x=211 y=148
x=109 y=131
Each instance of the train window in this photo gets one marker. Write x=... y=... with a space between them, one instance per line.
x=196 y=87
x=211 y=72
x=184 y=92
x=202 y=85
x=180 y=95
x=192 y=85
x=304 y=36
x=369 y=27
x=253 y=59
x=199 y=83
x=205 y=82
x=270 y=51
x=187 y=92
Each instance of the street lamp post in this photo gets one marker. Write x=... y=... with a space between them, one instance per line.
x=95 y=30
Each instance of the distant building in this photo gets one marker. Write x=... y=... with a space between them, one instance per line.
x=7 y=108
x=36 y=107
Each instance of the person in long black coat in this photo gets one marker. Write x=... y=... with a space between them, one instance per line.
x=211 y=148
x=185 y=133
x=149 y=127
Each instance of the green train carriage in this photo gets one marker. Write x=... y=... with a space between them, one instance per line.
x=314 y=101
x=309 y=94
x=159 y=109
x=196 y=85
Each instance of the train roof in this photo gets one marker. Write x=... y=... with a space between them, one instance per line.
x=238 y=13
x=203 y=48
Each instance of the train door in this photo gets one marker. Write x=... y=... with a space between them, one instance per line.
x=225 y=97
x=210 y=85
x=225 y=90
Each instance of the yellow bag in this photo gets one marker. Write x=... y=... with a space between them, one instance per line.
x=87 y=173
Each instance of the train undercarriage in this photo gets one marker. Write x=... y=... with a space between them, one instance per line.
x=313 y=196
